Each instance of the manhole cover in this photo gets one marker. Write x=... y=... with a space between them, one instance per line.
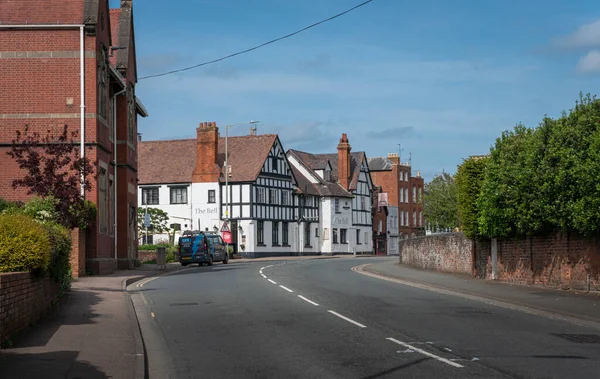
x=579 y=338
x=182 y=304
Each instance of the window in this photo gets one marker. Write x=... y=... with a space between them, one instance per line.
x=414 y=219
x=102 y=208
x=327 y=175
x=406 y=218
x=307 y=234
x=363 y=205
x=317 y=232
x=335 y=235
x=260 y=233
x=380 y=226
x=284 y=233
x=261 y=194
x=275 y=234
x=178 y=195
x=421 y=218
x=414 y=194
x=149 y=196
x=274 y=164
x=211 y=196
x=337 y=205
x=285 y=198
x=148 y=239
x=102 y=84
x=131 y=116
x=401 y=195
x=358 y=236
x=406 y=195
x=273 y=197
x=344 y=235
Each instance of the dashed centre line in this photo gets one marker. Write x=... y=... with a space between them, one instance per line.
x=430 y=355
x=272 y=281
x=308 y=301
x=347 y=319
x=263 y=275
x=285 y=288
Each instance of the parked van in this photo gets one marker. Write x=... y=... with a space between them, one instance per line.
x=201 y=247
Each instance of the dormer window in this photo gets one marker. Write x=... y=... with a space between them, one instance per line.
x=328 y=174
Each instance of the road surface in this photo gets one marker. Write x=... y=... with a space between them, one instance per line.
x=319 y=319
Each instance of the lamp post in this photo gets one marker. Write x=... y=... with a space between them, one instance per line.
x=227 y=163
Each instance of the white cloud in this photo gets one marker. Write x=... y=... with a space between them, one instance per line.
x=586 y=36
x=590 y=62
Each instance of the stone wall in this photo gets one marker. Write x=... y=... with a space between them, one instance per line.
x=23 y=300
x=451 y=252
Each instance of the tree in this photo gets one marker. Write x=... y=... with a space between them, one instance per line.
x=469 y=179
x=54 y=169
x=440 y=204
x=158 y=222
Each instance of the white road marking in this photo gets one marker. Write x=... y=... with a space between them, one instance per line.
x=152 y=314
x=264 y=276
x=262 y=268
x=436 y=357
x=405 y=351
x=308 y=301
x=347 y=319
x=285 y=288
x=145 y=281
x=268 y=266
x=272 y=281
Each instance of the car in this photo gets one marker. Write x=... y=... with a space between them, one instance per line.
x=201 y=247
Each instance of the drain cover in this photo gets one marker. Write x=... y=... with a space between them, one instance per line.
x=579 y=338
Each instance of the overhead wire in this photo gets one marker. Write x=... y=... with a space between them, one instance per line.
x=258 y=46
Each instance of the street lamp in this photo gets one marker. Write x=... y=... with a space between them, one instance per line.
x=227 y=163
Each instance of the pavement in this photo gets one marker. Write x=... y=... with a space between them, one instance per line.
x=93 y=333
x=322 y=318
x=308 y=317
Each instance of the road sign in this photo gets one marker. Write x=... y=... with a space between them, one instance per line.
x=225 y=227
x=227 y=238
x=147 y=220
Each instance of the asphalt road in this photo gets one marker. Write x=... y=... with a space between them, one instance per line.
x=319 y=319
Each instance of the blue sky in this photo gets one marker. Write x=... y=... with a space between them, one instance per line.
x=441 y=78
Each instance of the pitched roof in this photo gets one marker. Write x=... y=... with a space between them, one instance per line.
x=173 y=161
x=356 y=160
x=48 y=12
x=312 y=161
x=323 y=188
x=380 y=164
x=124 y=37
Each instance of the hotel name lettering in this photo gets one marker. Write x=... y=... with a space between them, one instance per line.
x=207 y=211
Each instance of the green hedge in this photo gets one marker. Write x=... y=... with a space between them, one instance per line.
x=545 y=179
x=24 y=244
x=469 y=179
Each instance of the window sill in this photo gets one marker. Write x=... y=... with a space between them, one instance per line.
x=275 y=245
x=178 y=203
x=308 y=246
x=261 y=244
x=285 y=245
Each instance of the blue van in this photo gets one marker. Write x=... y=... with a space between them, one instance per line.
x=202 y=247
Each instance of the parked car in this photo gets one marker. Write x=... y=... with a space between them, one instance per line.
x=201 y=247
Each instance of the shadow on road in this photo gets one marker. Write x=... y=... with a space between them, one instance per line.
x=397 y=368
x=60 y=364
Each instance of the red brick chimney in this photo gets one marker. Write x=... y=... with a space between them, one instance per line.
x=207 y=148
x=344 y=162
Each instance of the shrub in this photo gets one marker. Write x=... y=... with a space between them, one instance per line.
x=7 y=205
x=24 y=244
x=59 y=268
x=41 y=209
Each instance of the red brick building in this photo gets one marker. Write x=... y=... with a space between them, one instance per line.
x=404 y=191
x=72 y=62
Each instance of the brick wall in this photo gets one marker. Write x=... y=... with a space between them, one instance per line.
x=23 y=300
x=77 y=257
x=451 y=252
x=560 y=260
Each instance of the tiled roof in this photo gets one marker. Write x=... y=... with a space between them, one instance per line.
x=124 y=36
x=356 y=160
x=323 y=188
x=312 y=161
x=173 y=161
x=380 y=164
x=48 y=11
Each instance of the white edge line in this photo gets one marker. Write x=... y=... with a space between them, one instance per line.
x=262 y=268
x=285 y=288
x=308 y=301
x=444 y=360
x=347 y=319
x=268 y=266
x=272 y=281
x=264 y=276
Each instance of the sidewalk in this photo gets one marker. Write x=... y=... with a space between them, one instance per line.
x=579 y=306
x=92 y=334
